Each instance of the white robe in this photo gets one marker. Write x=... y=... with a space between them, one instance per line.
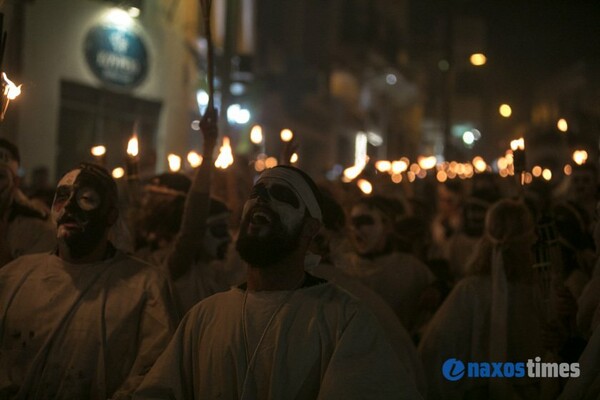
x=321 y=343
x=396 y=333
x=29 y=235
x=588 y=312
x=399 y=278
x=461 y=329
x=87 y=331
x=587 y=385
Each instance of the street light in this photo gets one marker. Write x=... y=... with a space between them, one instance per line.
x=505 y=110
x=478 y=59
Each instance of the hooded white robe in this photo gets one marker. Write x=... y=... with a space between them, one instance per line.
x=85 y=331
x=315 y=342
x=461 y=329
x=396 y=333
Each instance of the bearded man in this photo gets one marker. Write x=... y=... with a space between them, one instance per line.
x=86 y=321
x=284 y=334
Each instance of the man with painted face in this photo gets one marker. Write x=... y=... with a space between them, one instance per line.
x=284 y=333
x=398 y=277
x=86 y=321
x=25 y=228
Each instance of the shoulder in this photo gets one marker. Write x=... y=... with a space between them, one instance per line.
x=127 y=266
x=25 y=262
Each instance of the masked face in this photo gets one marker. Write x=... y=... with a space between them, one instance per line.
x=81 y=214
x=272 y=221
x=217 y=237
x=369 y=232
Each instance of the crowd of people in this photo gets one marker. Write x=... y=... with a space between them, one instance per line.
x=155 y=289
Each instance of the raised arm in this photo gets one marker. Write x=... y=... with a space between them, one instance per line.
x=188 y=243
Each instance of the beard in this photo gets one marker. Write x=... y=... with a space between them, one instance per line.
x=84 y=241
x=267 y=250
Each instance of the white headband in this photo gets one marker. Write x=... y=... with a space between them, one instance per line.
x=299 y=185
x=7 y=159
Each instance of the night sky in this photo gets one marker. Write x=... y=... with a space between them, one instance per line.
x=531 y=40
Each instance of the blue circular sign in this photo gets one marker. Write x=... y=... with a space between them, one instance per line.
x=116 y=55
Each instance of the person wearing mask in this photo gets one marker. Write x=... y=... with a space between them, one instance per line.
x=284 y=333
x=85 y=321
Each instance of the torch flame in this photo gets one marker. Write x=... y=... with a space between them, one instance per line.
x=365 y=186
x=132 y=146
x=518 y=144
x=256 y=135
x=174 y=162
x=286 y=135
x=427 y=162
x=11 y=91
x=98 y=151
x=194 y=159
x=225 y=158
x=580 y=157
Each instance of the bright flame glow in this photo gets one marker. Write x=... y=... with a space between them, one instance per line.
x=427 y=162
x=194 y=159
x=502 y=163
x=286 y=135
x=11 y=91
x=256 y=134
x=479 y=164
x=365 y=186
x=118 y=173
x=396 y=178
x=536 y=171
x=547 y=174
x=478 y=59
x=399 y=166
x=98 y=151
x=562 y=125
x=580 y=157
x=505 y=110
x=225 y=158
x=174 y=162
x=517 y=144
x=352 y=172
x=294 y=158
x=383 y=166
x=271 y=162
x=132 y=146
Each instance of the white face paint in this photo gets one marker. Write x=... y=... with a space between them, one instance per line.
x=368 y=230
x=66 y=182
x=273 y=195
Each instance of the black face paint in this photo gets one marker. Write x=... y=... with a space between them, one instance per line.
x=81 y=209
